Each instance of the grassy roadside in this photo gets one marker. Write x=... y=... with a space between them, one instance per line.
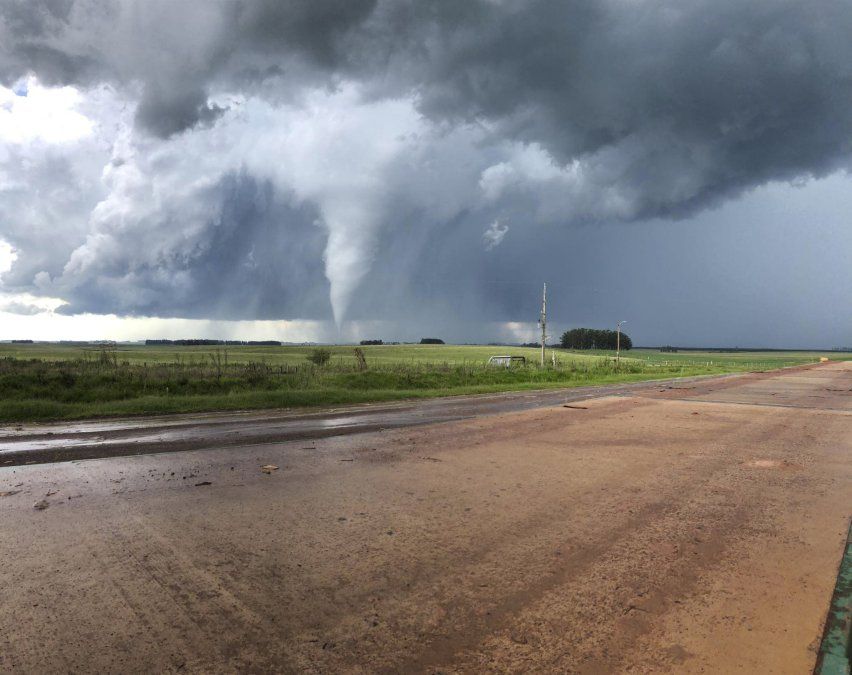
x=65 y=384
x=42 y=410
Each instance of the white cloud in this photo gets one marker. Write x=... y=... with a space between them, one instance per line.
x=493 y=236
x=517 y=332
x=31 y=112
x=7 y=256
x=49 y=326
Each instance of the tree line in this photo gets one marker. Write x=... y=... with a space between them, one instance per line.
x=208 y=343
x=593 y=338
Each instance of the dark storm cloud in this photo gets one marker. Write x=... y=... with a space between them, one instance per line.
x=176 y=50
x=36 y=19
x=695 y=100
x=167 y=111
x=34 y=40
x=257 y=257
x=317 y=30
x=560 y=114
x=682 y=102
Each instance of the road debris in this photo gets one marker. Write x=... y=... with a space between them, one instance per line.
x=575 y=407
x=204 y=482
x=269 y=468
x=41 y=504
x=9 y=493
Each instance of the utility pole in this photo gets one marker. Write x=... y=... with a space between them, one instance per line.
x=618 y=340
x=543 y=322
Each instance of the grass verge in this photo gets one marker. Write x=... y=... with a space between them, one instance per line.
x=101 y=383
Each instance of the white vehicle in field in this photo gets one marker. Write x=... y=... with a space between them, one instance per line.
x=507 y=361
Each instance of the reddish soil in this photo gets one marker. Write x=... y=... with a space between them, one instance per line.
x=696 y=528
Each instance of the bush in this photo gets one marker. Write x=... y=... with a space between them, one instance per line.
x=319 y=356
x=431 y=341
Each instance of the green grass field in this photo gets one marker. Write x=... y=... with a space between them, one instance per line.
x=42 y=382
x=285 y=355
x=736 y=360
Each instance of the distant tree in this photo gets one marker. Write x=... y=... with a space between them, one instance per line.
x=319 y=356
x=371 y=342
x=207 y=343
x=197 y=342
x=255 y=343
x=431 y=341
x=593 y=338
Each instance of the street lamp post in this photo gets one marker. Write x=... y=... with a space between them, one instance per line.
x=618 y=341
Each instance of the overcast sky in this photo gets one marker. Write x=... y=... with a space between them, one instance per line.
x=396 y=169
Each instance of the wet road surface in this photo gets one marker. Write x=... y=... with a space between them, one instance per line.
x=37 y=443
x=688 y=529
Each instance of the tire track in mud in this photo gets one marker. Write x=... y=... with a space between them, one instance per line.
x=509 y=633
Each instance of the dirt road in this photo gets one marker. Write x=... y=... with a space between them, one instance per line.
x=687 y=529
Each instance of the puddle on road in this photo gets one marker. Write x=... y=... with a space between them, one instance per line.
x=46 y=444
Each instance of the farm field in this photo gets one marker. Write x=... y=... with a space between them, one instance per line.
x=135 y=353
x=274 y=355
x=44 y=381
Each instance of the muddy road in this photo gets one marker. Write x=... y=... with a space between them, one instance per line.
x=691 y=527
x=61 y=442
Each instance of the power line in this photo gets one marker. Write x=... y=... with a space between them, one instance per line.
x=543 y=321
